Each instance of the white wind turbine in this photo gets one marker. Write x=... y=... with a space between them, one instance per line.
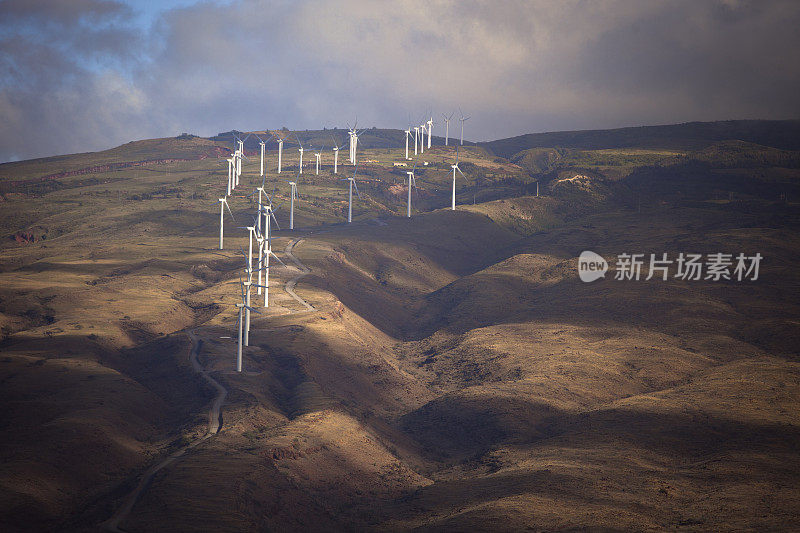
x=455 y=167
x=416 y=136
x=422 y=138
x=239 y=159
x=335 y=155
x=280 y=153
x=261 y=191
x=447 y=127
x=292 y=195
x=246 y=309
x=411 y=182
x=263 y=145
x=356 y=135
x=230 y=175
x=463 y=119
x=269 y=216
x=223 y=203
x=351 y=183
x=408 y=135
x=352 y=144
x=318 y=157
x=430 y=131
x=301 y=150
x=242 y=308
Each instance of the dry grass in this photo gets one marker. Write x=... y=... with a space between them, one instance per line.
x=455 y=375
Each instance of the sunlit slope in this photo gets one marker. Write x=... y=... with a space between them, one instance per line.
x=134 y=151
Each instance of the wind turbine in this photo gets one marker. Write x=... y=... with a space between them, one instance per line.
x=352 y=146
x=411 y=181
x=351 y=183
x=356 y=135
x=430 y=131
x=280 y=153
x=239 y=155
x=318 y=156
x=263 y=146
x=223 y=203
x=447 y=126
x=408 y=134
x=301 y=149
x=230 y=175
x=335 y=155
x=240 y=150
x=292 y=195
x=455 y=167
x=269 y=213
x=242 y=308
x=463 y=120
x=260 y=191
x=244 y=322
x=416 y=136
x=422 y=138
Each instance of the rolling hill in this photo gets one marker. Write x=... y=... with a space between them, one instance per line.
x=453 y=372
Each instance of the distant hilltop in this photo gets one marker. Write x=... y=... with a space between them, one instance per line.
x=782 y=134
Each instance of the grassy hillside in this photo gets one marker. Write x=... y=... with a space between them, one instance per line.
x=782 y=134
x=454 y=374
x=134 y=151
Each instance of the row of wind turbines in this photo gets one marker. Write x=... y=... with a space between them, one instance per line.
x=260 y=231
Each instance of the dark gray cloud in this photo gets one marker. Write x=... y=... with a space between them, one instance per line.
x=82 y=77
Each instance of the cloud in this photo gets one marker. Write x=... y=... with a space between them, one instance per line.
x=84 y=78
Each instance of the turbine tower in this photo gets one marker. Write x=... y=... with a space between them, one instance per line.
x=263 y=144
x=292 y=195
x=447 y=127
x=301 y=149
x=416 y=136
x=430 y=131
x=455 y=167
x=335 y=155
x=223 y=203
x=240 y=322
x=422 y=138
x=411 y=181
x=230 y=176
x=318 y=156
x=351 y=183
x=280 y=154
x=242 y=308
x=408 y=134
x=463 y=119
x=269 y=213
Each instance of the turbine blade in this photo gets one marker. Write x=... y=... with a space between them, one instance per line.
x=356 y=186
x=229 y=211
x=276 y=257
x=275 y=219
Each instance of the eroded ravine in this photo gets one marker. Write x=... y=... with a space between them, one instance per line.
x=215 y=412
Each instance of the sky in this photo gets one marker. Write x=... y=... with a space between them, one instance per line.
x=86 y=75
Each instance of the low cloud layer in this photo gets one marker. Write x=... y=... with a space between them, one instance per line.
x=80 y=75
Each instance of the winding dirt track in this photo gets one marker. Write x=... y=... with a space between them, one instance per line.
x=290 y=285
x=214 y=424
x=215 y=412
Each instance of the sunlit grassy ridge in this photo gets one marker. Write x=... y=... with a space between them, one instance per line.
x=455 y=373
